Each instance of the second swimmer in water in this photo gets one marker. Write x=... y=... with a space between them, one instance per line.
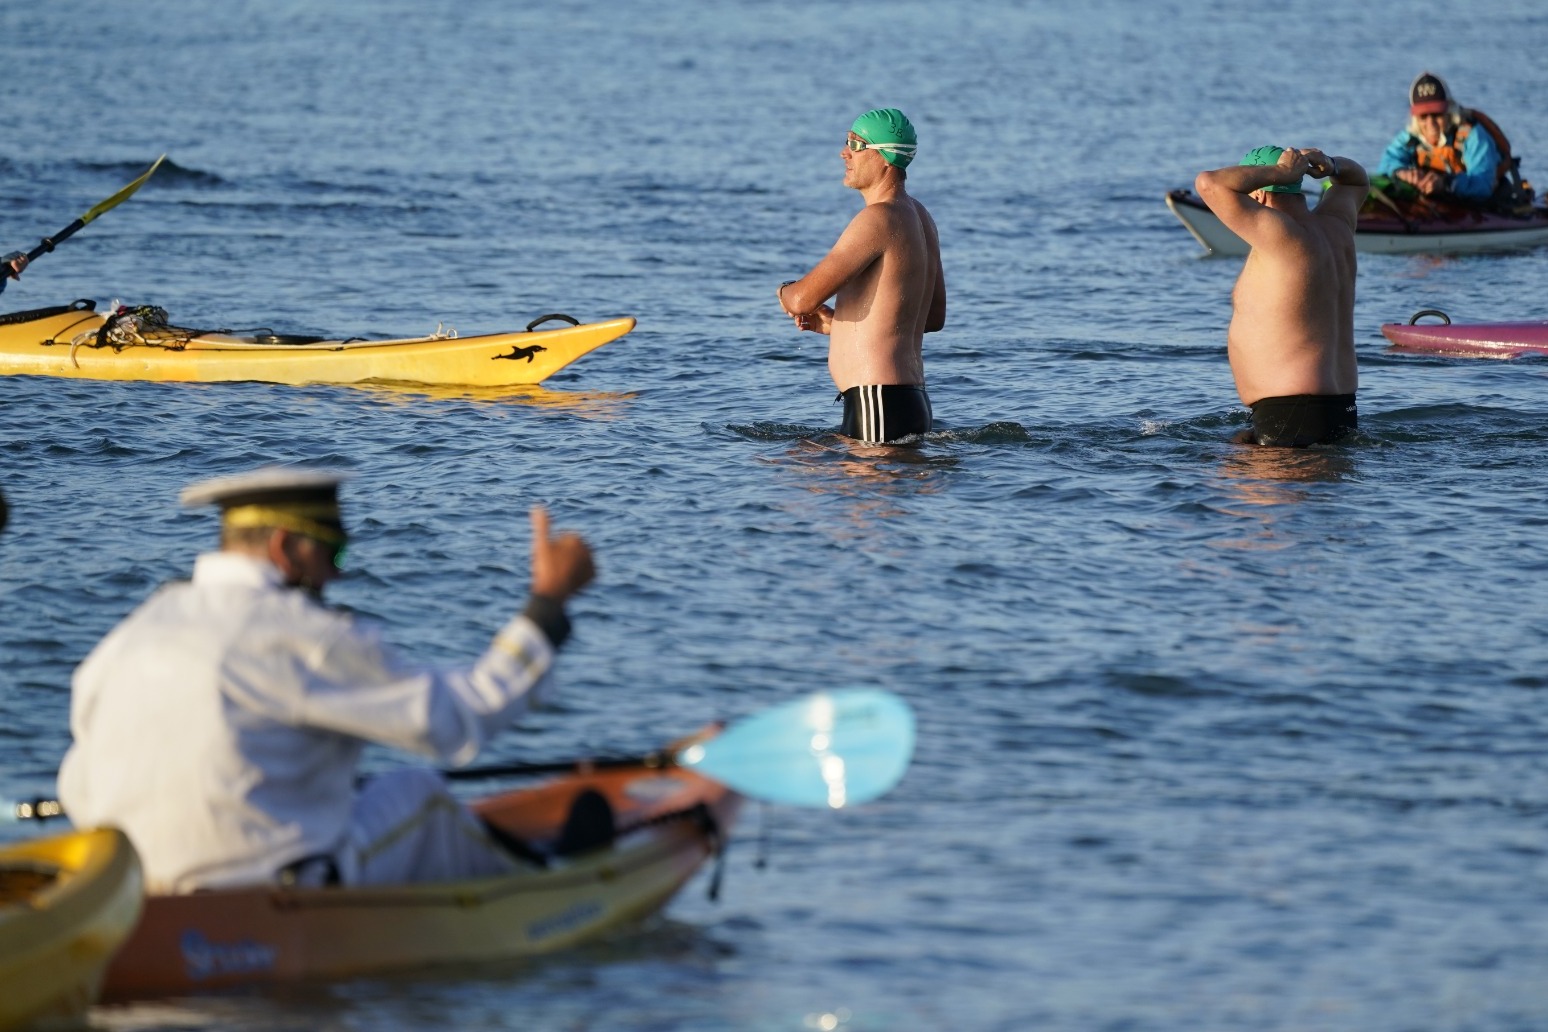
x=885 y=277
x=1291 y=341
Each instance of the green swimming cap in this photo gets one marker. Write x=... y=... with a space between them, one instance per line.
x=1269 y=155
x=891 y=130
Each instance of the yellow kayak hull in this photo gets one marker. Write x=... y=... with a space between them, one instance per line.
x=64 y=344
x=192 y=943
x=66 y=905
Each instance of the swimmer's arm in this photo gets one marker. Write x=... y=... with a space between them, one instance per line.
x=1228 y=193
x=1244 y=179
x=861 y=243
x=935 y=318
x=1350 y=186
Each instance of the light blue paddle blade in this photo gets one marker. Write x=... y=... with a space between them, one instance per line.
x=830 y=749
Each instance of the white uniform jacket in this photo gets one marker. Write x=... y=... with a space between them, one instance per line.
x=221 y=723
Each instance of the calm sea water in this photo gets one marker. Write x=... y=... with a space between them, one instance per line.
x=1211 y=739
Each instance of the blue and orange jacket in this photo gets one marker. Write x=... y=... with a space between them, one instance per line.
x=1467 y=153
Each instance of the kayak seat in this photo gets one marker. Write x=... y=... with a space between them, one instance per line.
x=515 y=846
x=590 y=825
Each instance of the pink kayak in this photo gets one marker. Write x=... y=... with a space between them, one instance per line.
x=1483 y=340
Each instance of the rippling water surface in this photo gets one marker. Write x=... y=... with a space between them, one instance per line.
x=1210 y=739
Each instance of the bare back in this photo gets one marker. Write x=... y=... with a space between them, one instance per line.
x=1292 y=322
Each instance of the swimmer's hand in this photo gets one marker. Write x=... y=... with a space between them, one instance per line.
x=818 y=321
x=1295 y=164
x=1318 y=164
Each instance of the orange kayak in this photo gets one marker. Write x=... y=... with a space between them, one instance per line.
x=670 y=820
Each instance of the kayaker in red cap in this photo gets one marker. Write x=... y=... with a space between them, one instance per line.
x=1291 y=341
x=220 y=725
x=1451 y=152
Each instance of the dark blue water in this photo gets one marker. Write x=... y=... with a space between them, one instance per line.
x=1210 y=739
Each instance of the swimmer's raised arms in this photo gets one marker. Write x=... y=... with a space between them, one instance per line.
x=1291 y=340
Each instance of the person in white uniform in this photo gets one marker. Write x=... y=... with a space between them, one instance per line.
x=221 y=723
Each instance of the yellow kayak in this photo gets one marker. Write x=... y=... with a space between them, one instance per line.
x=138 y=344
x=66 y=904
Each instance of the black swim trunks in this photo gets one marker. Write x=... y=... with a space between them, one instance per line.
x=876 y=413
x=1299 y=420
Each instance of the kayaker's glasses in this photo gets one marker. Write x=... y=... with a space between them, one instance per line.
x=335 y=550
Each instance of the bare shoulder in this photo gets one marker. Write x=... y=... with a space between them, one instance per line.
x=924 y=212
x=905 y=212
x=882 y=223
x=884 y=213
x=1340 y=205
x=925 y=218
x=870 y=220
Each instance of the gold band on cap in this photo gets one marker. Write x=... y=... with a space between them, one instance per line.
x=298 y=518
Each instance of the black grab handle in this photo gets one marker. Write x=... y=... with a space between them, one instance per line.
x=1429 y=311
x=540 y=320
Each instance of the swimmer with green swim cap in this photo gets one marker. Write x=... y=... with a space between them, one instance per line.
x=1269 y=155
x=889 y=132
x=1291 y=342
x=885 y=280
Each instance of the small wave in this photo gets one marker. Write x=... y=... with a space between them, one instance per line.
x=1422 y=424
x=766 y=431
x=999 y=432
x=169 y=172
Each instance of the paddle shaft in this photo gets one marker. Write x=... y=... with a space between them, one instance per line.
x=48 y=243
x=518 y=770
x=827 y=749
x=41 y=809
